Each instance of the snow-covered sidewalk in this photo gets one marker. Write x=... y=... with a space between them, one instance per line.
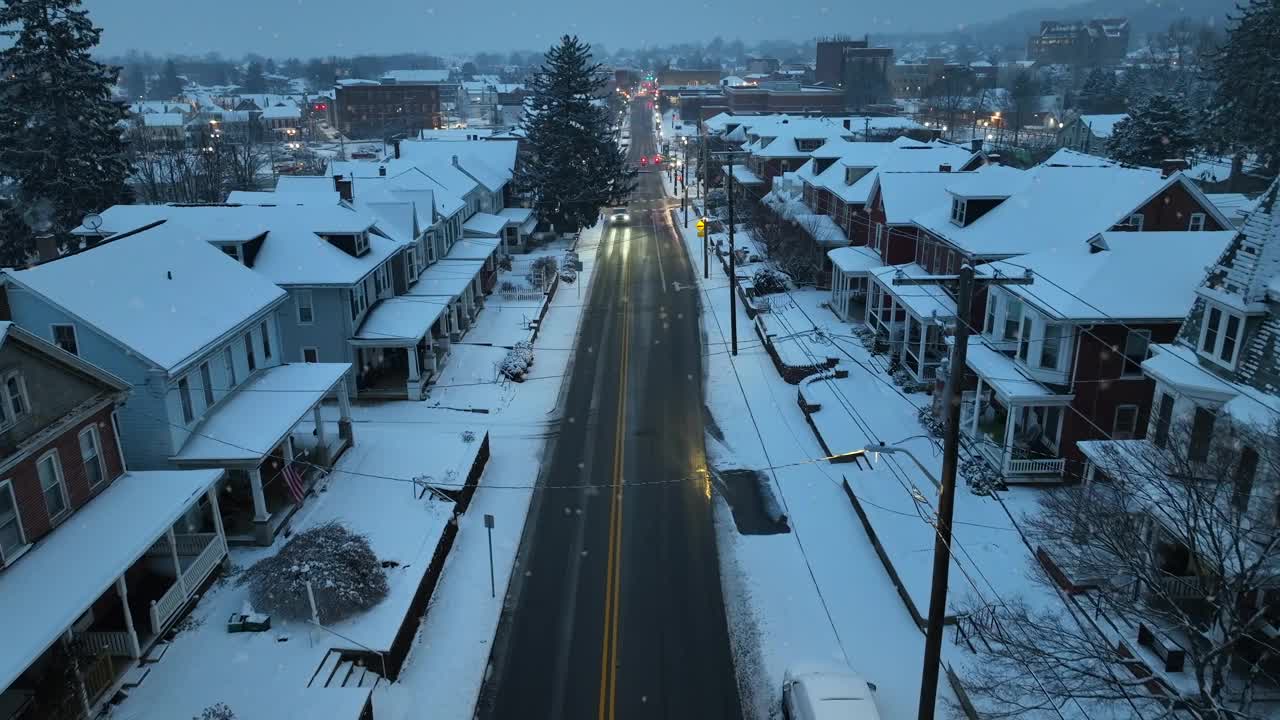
x=446 y=668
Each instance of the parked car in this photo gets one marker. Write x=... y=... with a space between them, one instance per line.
x=620 y=215
x=827 y=693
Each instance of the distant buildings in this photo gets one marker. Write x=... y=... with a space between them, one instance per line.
x=860 y=70
x=402 y=101
x=1094 y=42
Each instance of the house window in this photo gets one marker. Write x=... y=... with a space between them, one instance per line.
x=229 y=361
x=1051 y=348
x=958 y=211
x=306 y=308
x=1246 y=469
x=879 y=237
x=91 y=453
x=1012 y=318
x=1137 y=347
x=206 y=384
x=1125 y=425
x=377 y=282
x=411 y=265
x=15 y=391
x=11 y=536
x=233 y=252
x=250 y=358
x=49 y=468
x=990 y=323
x=266 y=340
x=361 y=243
x=184 y=394
x=64 y=336
x=1201 y=435
x=1024 y=340
x=1220 y=336
x=310 y=355
x=1135 y=221
x=1164 y=419
x=1197 y=222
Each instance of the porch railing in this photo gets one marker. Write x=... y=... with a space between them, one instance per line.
x=111 y=642
x=163 y=609
x=204 y=563
x=1177 y=587
x=193 y=544
x=1035 y=466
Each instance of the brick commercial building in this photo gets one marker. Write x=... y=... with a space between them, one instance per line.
x=402 y=102
x=688 y=77
x=857 y=67
x=789 y=97
x=1093 y=42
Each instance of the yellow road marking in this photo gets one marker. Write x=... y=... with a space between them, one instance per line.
x=613 y=571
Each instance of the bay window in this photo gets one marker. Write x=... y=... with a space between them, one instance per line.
x=1220 y=335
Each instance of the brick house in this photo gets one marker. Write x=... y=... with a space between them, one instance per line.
x=96 y=561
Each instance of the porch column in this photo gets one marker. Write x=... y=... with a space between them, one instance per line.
x=924 y=335
x=412 y=356
x=259 y=500
x=319 y=422
x=123 y=593
x=212 y=495
x=345 y=430
x=177 y=562
x=67 y=639
x=977 y=409
x=1010 y=431
x=431 y=355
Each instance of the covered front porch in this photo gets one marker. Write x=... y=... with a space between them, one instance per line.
x=850 y=280
x=396 y=349
x=1013 y=421
x=456 y=285
x=911 y=317
x=515 y=237
x=91 y=599
x=273 y=450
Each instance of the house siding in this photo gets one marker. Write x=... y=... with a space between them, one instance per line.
x=26 y=480
x=1172 y=210
x=52 y=392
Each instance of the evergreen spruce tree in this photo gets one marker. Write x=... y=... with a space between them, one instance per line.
x=1241 y=118
x=574 y=167
x=254 y=82
x=61 y=152
x=135 y=82
x=1158 y=127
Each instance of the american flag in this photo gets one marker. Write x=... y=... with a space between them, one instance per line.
x=293 y=479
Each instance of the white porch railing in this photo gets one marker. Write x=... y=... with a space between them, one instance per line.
x=193 y=544
x=1176 y=587
x=110 y=642
x=163 y=610
x=1035 y=466
x=204 y=563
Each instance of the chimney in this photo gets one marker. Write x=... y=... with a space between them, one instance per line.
x=944 y=167
x=455 y=162
x=397 y=149
x=1170 y=166
x=994 y=159
x=382 y=171
x=846 y=124
x=343 y=186
x=975 y=145
x=47 y=247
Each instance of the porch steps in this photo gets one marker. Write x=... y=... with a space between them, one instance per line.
x=134 y=676
x=325 y=672
x=369 y=679
x=156 y=652
x=343 y=674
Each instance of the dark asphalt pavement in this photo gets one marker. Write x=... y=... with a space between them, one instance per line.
x=615 y=609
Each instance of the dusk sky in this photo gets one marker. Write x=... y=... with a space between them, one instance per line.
x=282 y=28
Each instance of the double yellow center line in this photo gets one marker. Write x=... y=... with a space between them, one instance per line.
x=613 y=571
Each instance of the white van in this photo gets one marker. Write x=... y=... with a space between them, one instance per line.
x=821 y=693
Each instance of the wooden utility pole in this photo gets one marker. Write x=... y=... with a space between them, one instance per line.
x=950 y=461
x=733 y=267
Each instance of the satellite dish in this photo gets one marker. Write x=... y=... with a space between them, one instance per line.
x=93 y=221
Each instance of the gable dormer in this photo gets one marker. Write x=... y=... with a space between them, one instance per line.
x=854 y=174
x=809 y=144
x=820 y=165
x=967 y=207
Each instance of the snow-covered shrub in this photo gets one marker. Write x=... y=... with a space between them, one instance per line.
x=980 y=475
x=341 y=567
x=568 y=274
x=504 y=263
x=541 y=270
x=517 y=361
x=216 y=711
x=768 y=282
x=929 y=421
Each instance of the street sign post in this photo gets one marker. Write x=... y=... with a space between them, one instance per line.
x=488 y=523
x=702 y=227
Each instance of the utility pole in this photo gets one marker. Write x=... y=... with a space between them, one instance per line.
x=950 y=460
x=733 y=267
x=684 y=182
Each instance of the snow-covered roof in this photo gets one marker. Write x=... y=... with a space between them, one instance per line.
x=924 y=301
x=1075 y=158
x=1248 y=273
x=282 y=112
x=1236 y=206
x=1001 y=373
x=492 y=163
x=165 y=293
x=446 y=279
x=399 y=320
x=163 y=119
x=248 y=425
x=1076 y=282
x=416 y=76
x=55 y=582
x=860 y=259
x=473 y=248
x=449 y=184
x=1059 y=206
x=744 y=176
x=1102 y=126
x=485 y=224
x=907 y=194
x=989 y=182
x=519 y=216
x=823 y=229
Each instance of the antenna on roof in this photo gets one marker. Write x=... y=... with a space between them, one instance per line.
x=93 y=221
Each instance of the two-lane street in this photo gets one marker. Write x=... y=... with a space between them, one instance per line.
x=615 y=608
